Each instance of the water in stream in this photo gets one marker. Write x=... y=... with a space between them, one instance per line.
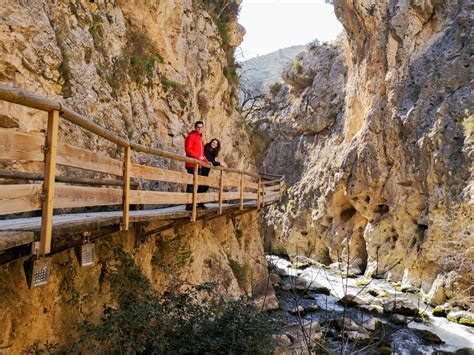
x=400 y=339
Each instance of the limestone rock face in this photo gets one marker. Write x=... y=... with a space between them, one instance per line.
x=145 y=71
x=386 y=179
x=194 y=253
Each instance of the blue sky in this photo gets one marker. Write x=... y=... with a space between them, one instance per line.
x=274 y=24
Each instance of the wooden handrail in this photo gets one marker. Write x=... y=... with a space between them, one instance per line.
x=50 y=196
x=22 y=97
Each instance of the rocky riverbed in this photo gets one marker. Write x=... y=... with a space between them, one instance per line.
x=327 y=311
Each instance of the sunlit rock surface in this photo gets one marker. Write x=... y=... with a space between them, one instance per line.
x=377 y=149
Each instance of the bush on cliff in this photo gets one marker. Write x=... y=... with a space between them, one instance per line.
x=186 y=319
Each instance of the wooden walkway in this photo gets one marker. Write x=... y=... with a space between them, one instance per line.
x=51 y=188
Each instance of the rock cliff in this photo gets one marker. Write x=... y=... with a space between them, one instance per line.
x=147 y=71
x=375 y=136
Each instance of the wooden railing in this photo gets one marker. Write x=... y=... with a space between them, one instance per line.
x=60 y=192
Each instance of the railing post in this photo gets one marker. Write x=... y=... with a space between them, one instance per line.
x=195 y=190
x=241 y=191
x=126 y=187
x=263 y=196
x=221 y=190
x=51 y=149
x=259 y=186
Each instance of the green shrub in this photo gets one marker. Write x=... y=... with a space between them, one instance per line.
x=138 y=61
x=184 y=320
x=297 y=67
x=167 y=84
x=275 y=88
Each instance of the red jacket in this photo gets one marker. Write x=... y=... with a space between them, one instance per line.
x=194 y=147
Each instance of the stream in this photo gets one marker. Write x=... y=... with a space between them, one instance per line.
x=366 y=327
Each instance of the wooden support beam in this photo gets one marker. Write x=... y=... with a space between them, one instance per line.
x=263 y=195
x=48 y=184
x=221 y=190
x=241 y=191
x=126 y=187
x=195 y=191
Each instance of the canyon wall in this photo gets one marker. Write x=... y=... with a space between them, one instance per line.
x=146 y=71
x=226 y=251
x=375 y=136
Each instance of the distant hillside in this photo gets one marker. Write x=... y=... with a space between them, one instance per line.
x=266 y=69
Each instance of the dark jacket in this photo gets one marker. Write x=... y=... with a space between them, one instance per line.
x=208 y=152
x=194 y=147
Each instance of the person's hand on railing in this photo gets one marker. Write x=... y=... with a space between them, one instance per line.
x=224 y=165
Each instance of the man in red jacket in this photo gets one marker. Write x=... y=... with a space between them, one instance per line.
x=194 y=147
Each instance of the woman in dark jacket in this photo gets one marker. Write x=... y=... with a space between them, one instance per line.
x=211 y=151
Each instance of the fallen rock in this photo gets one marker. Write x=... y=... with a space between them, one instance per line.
x=462 y=317
x=377 y=293
x=282 y=340
x=372 y=324
x=275 y=279
x=356 y=336
x=268 y=302
x=303 y=262
x=319 y=289
x=440 y=312
x=403 y=307
x=373 y=308
x=398 y=319
x=297 y=311
x=407 y=288
x=311 y=309
x=436 y=295
x=352 y=301
x=428 y=337
x=297 y=284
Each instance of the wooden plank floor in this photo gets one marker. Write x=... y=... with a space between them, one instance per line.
x=21 y=231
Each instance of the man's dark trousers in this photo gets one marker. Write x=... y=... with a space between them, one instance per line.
x=189 y=188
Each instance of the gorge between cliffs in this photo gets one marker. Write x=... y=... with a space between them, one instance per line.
x=370 y=248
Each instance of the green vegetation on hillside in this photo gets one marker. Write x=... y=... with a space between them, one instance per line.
x=187 y=319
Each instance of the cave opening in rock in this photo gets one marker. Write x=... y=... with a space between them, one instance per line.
x=348 y=213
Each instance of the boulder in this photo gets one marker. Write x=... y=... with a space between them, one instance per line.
x=403 y=307
x=356 y=336
x=275 y=279
x=283 y=341
x=398 y=319
x=311 y=309
x=440 y=312
x=297 y=284
x=372 y=324
x=303 y=262
x=373 y=308
x=299 y=310
x=352 y=301
x=268 y=302
x=436 y=294
x=377 y=293
x=462 y=317
x=428 y=337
